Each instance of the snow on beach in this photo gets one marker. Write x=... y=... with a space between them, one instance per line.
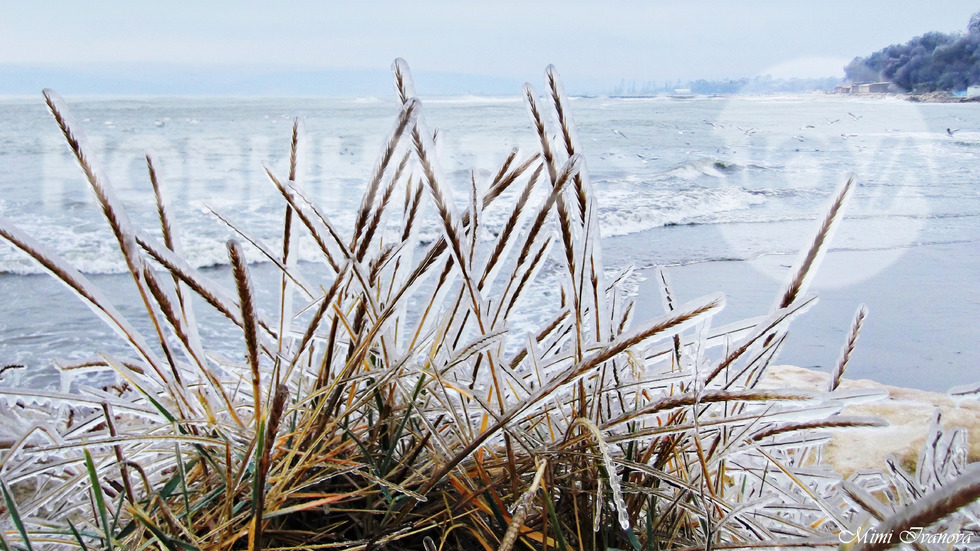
x=909 y=413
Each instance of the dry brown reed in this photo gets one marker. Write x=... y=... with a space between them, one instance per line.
x=912 y=523
x=849 y=346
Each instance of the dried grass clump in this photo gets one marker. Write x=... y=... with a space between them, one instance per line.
x=396 y=408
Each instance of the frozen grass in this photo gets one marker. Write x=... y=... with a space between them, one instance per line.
x=395 y=407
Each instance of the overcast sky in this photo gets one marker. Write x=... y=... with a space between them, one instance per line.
x=591 y=42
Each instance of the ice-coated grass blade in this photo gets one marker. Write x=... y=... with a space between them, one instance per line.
x=15 y=516
x=77 y=536
x=932 y=507
x=806 y=266
x=849 y=345
x=166 y=541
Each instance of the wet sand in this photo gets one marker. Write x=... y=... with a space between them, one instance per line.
x=924 y=305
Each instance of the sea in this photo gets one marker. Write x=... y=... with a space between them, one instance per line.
x=680 y=181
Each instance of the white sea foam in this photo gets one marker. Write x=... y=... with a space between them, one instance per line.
x=627 y=212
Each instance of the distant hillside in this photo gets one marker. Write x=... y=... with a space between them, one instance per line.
x=932 y=62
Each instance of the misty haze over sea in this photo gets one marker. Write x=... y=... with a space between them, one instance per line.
x=198 y=80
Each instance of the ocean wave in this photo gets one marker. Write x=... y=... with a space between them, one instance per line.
x=102 y=257
x=629 y=212
x=707 y=166
x=623 y=209
x=475 y=100
x=964 y=138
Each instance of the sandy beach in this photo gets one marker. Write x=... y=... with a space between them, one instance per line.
x=923 y=305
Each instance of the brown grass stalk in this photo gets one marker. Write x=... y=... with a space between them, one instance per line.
x=849 y=345
x=406 y=119
x=249 y=323
x=806 y=267
x=84 y=289
x=212 y=293
x=778 y=319
x=708 y=397
x=170 y=239
x=293 y=202
x=193 y=349
x=831 y=423
x=376 y=216
x=445 y=209
x=508 y=228
x=285 y=300
x=916 y=518
x=412 y=208
x=564 y=218
x=403 y=80
x=569 y=140
x=115 y=215
x=501 y=183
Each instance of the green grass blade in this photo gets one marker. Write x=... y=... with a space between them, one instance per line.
x=168 y=542
x=182 y=472
x=371 y=462
x=258 y=480
x=555 y=525
x=15 y=516
x=117 y=515
x=634 y=541
x=99 y=498
x=126 y=530
x=386 y=464
x=78 y=536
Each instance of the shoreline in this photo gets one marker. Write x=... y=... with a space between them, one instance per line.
x=939 y=97
x=914 y=97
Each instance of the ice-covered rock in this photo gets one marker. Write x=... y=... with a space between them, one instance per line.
x=909 y=413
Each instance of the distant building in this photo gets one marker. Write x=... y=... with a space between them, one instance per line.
x=873 y=88
x=863 y=88
x=973 y=91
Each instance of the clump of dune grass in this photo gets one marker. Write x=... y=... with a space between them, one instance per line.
x=392 y=404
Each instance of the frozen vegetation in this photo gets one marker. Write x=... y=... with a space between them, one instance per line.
x=386 y=400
